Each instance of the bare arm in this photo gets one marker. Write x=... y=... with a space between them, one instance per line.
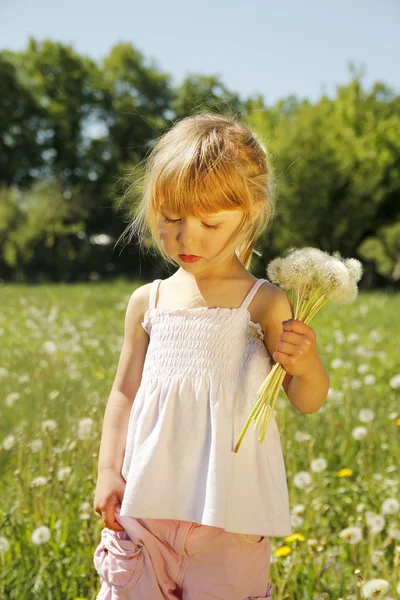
x=308 y=392
x=126 y=383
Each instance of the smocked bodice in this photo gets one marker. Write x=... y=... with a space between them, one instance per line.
x=201 y=341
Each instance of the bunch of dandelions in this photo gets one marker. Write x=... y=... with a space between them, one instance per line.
x=310 y=277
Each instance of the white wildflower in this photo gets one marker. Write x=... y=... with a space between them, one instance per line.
x=63 y=473
x=373 y=587
x=49 y=425
x=355 y=384
x=4 y=545
x=36 y=445
x=359 y=433
x=301 y=436
x=390 y=506
x=363 y=368
x=11 y=398
x=339 y=337
x=366 y=415
x=352 y=337
x=8 y=442
x=54 y=394
x=49 y=347
x=296 y=521
x=302 y=479
x=369 y=379
x=375 y=335
x=41 y=535
x=84 y=428
x=313 y=268
x=375 y=522
x=318 y=465
x=353 y=535
x=37 y=481
x=298 y=509
x=336 y=363
x=395 y=382
x=376 y=556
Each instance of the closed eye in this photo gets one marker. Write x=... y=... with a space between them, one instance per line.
x=205 y=224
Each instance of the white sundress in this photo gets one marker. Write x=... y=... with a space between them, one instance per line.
x=200 y=377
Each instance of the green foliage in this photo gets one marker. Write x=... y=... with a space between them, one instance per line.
x=84 y=126
x=384 y=249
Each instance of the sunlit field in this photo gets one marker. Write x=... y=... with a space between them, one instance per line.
x=59 y=350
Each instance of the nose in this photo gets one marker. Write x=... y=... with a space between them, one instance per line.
x=186 y=234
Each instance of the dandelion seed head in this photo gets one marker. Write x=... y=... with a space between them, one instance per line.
x=359 y=433
x=353 y=535
x=373 y=588
x=41 y=535
x=390 y=506
x=375 y=522
x=310 y=269
x=318 y=465
x=4 y=545
x=302 y=479
x=395 y=382
x=355 y=269
x=366 y=415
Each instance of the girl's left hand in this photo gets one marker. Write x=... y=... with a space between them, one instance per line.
x=296 y=349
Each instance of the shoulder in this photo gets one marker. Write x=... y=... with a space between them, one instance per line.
x=274 y=303
x=139 y=302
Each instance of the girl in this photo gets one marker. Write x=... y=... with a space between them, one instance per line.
x=185 y=516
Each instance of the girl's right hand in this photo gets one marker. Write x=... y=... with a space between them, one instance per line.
x=109 y=494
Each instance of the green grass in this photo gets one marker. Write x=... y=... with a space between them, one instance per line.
x=60 y=346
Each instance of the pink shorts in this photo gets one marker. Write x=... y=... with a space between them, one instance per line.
x=163 y=559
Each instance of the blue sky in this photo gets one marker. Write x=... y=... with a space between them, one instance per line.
x=271 y=48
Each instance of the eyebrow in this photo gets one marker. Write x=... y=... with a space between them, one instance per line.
x=213 y=216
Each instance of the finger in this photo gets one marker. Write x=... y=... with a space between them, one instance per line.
x=296 y=326
x=302 y=329
x=284 y=359
x=291 y=337
x=286 y=348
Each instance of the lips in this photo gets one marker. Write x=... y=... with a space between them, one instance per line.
x=189 y=258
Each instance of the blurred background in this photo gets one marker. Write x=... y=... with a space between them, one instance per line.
x=87 y=86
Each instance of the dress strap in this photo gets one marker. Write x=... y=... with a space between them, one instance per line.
x=153 y=293
x=252 y=293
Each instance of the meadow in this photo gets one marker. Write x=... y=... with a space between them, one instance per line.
x=59 y=350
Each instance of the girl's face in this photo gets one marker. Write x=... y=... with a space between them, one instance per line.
x=211 y=238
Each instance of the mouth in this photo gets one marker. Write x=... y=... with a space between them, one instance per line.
x=189 y=257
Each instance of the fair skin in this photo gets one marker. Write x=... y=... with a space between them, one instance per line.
x=292 y=344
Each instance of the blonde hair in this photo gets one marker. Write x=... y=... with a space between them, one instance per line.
x=204 y=163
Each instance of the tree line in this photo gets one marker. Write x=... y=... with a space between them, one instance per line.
x=73 y=128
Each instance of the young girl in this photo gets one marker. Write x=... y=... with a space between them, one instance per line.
x=185 y=516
